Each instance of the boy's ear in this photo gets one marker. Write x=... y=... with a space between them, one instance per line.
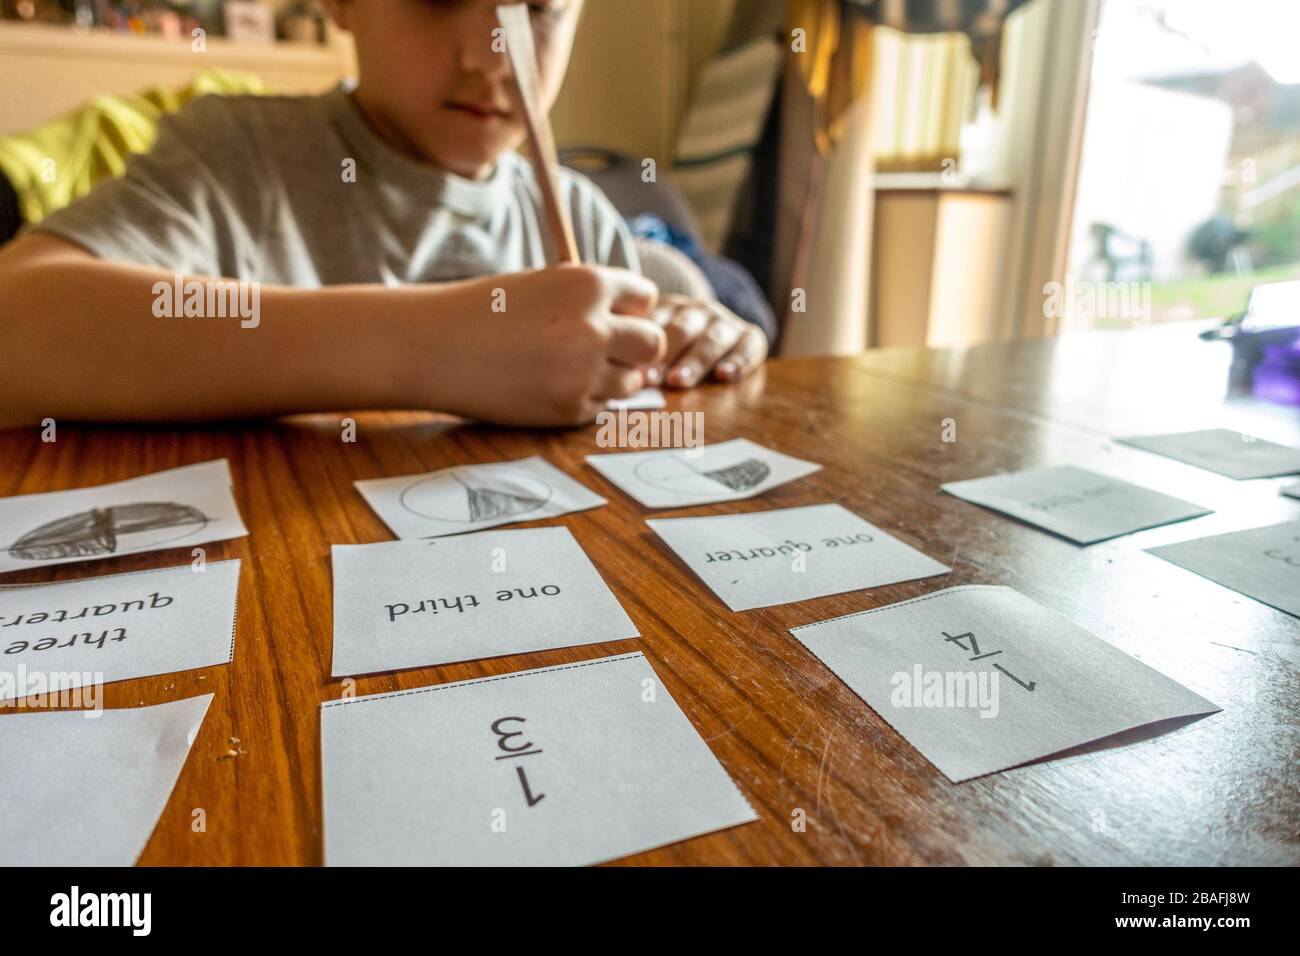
x=339 y=11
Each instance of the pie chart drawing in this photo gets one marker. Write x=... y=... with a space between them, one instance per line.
x=461 y=497
x=112 y=530
x=679 y=476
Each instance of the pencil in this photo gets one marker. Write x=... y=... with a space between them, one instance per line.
x=518 y=27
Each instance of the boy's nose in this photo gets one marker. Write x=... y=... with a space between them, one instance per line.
x=479 y=38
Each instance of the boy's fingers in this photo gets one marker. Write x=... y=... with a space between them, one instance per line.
x=634 y=342
x=744 y=358
x=687 y=323
x=631 y=294
x=618 y=382
x=720 y=337
x=683 y=320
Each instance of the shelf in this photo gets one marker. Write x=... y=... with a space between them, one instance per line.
x=51 y=40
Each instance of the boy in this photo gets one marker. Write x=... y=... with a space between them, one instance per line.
x=398 y=244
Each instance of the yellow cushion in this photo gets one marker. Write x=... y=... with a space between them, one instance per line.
x=61 y=160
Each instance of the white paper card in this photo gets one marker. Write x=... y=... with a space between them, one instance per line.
x=980 y=679
x=418 y=603
x=116 y=627
x=1292 y=490
x=567 y=765
x=775 y=557
x=81 y=790
x=1262 y=563
x=474 y=497
x=680 y=477
x=647 y=398
x=1080 y=505
x=1224 y=451
x=178 y=508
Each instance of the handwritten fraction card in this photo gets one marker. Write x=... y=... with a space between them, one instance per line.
x=981 y=678
x=1224 y=451
x=679 y=477
x=567 y=765
x=168 y=509
x=775 y=557
x=1262 y=563
x=417 y=603
x=116 y=627
x=1080 y=505
x=86 y=788
x=474 y=497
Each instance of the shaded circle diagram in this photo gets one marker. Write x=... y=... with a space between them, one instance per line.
x=679 y=476
x=113 y=530
x=463 y=498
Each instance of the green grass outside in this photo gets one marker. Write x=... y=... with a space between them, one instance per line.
x=1211 y=297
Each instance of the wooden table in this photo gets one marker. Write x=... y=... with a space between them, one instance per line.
x=1219 y=790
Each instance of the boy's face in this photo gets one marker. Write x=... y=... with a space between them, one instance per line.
x=432 y=84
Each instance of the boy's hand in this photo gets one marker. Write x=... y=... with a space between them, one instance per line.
x=706 y=338
x=561 y=344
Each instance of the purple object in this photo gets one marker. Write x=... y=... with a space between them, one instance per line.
x=1277 y=377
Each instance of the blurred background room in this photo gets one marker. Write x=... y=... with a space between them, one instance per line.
x=850 y=173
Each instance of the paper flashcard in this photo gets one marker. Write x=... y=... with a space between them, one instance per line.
x=680 y=477
x=178 y=508
x=86 y=788
x=567 y=765
x=116 y=627
x=776 y=557
x=418 y=603
x=473 y=497
x=981 y=678
x=1080 y=505
x=1262 y=563
x=1224 y=451
x=644 y=400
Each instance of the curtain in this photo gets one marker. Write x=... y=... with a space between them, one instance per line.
x=831 y=142
x=936 y=79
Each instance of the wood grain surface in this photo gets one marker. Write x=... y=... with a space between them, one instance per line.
x=1219 y=790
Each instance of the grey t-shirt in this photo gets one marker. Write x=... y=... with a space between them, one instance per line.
x=298 y=190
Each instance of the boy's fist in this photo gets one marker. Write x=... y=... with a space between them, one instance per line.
x=553 y=346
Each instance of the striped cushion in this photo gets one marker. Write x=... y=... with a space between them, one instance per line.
x=725 y=121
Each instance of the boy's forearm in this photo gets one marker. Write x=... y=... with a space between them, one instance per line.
x=92 y=340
